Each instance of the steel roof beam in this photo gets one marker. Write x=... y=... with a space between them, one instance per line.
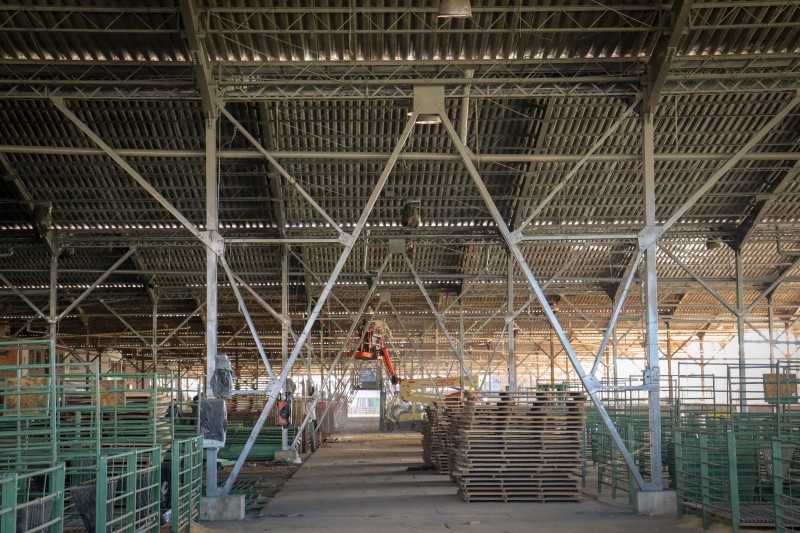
x=761 y=207
x=729 y=164
x=282 y=171
x=439 y=320
x=382 y=156
x=278 y=89
x=59 y=103
x=197 y=51
x=574 y=170
x=664 y=52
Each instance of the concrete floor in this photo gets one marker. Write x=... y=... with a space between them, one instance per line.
x=358 y=481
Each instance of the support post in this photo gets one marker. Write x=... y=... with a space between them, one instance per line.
x=55 y=250
x=652 y=376
x=771 y=327
x=284 y=329
x=512 y=363
x=669 y=365
x=740 y=316
x=552 y=359
x=154 y=346
x=212 y=227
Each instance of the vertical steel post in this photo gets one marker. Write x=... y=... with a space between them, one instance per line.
x=284 y=329
x=155 y=331
x=733 y=481
x=669 y=364
x=552 y=359
x=614 y=353
x=740 y=316
x=771 y=327
x=512 y=361
x=705 y=486
x=212 y=227
x=461 y=345
x=52 y=346
x=653 y=371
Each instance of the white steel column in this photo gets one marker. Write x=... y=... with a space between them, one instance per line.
x=154 y=336
x=212 y=228
x=284 y=329
x=349 y=241
x=649 y=241
x=512 y=361
x=53 y=319
x=741 y=311
x=771 y=326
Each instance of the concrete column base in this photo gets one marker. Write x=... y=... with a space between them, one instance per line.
x=656 y=503
x=287 y=456
x=213 y=508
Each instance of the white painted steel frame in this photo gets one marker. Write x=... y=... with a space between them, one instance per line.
x=349 y=241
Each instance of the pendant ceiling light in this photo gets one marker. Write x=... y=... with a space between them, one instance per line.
x=455 y=9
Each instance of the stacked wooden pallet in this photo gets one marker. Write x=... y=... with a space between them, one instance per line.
x=425 y=429
x=437 y=433
x=519 y=446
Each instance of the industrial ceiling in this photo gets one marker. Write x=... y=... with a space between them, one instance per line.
x=550 y=97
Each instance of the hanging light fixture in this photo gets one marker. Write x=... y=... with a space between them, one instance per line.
x=454 y=9
x=411 y=214
x=428 y=118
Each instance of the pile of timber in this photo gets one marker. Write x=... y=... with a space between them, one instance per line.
x=440 y=421
x=519 y=446
x=425 y=429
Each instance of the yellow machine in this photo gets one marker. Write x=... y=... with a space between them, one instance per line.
x=407 y=408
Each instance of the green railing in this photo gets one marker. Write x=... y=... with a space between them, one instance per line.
x=33 y=501
x=264 y=448
x=186 y=483
x=786 y=483
x=128 y=491
x=65 y=418
x=730 y=469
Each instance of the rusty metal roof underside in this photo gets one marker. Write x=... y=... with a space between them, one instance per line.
x=536 y=87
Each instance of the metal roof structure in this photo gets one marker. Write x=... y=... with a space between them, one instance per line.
x=551 y=99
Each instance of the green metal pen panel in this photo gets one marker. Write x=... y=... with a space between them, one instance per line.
x=33 y=501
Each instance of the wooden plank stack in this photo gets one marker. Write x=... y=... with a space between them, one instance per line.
x=519 y=446
x=437 y=434
x=425 y=429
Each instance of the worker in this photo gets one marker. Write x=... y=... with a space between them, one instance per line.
x=195 y=405
x=173 y=411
